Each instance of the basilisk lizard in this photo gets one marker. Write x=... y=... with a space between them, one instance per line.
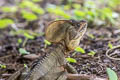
x=65 y=36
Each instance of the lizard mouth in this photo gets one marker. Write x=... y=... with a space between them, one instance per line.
x=82 y=29
x=83 y=26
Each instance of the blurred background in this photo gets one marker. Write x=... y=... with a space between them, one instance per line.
x=97 y=13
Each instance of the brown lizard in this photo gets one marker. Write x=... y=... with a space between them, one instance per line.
x=65 y=36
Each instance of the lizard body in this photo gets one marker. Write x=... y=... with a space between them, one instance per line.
x=65 y=35
x=49 y=62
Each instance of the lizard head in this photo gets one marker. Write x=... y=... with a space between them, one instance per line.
x=69 y=31
x=75 y=33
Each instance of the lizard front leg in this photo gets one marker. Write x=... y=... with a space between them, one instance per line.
x=70 y=69
x=63 y=76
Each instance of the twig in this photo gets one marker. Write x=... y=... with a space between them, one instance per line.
x=24 y=42
x=111 y=50
x=6 y=75
x=83 y=77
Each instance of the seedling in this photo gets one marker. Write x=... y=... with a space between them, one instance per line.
x=29 y=16
x=19 y=41
x=91 y=53
x=110 y=45
x=2 y=66
x=77 y=6
x=58 y=11
x=27 y=36
x=36 y=0
x=111 y=74
x=25 y=65
x=72 y=60
x=5 y=22
x=79 y=49
x=46 y=43
x=37 y=10
x=9 y=8
x=91 y=36
x=22 y=51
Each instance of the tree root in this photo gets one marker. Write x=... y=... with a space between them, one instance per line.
x=111 y=50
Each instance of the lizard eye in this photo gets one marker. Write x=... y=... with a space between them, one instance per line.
x=72 y=21
x=78 y=25
x=83 y=21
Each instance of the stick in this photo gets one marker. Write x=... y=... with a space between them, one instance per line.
x=83 y=77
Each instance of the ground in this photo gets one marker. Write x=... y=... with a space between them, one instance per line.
x=98 y=38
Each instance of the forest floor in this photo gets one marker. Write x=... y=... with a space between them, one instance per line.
x=98 y=39
x=97 y=64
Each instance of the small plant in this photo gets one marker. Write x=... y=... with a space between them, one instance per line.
x=29 y=16
x=5 y=22
x=113 y=3
x=9 y=9
x=79 y=49
x=27 y=36
x=46 y=43
x=25 y=65
x=32 y=6
x=19 y=41
x=91 y=36
x=37 y=10
x=76 y=6
x=22 y=51
x=91 y=53
x=2 y=66
x=111 y=74
x=58 y=11
x=36 y=0
x=72 y=60
x=91 y=12
x=110 y=45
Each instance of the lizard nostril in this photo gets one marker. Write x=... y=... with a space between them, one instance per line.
x=83 y=21
x=78 y=25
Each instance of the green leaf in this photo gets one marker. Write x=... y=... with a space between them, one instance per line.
x=23 y=51
x=79 y=13
x=19 y=41
x=5 y=22
x=91 y=53
x=71 y=60
x=77 y=6
x=90 y=4
x=29 y=16
x=27 y=3
x=58 y=11
x=38 y=10
x=91 y=36
x=79 y=49
x=25 y=65
x=28 y=36
x=2 y=66
x=47 y=42
x=36 y=0
x=111 y=74
x=110 y=45
x=67 y=7
x=9 y=9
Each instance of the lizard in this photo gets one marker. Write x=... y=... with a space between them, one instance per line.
x=65 y=36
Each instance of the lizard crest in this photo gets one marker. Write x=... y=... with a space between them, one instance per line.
x=69 y=31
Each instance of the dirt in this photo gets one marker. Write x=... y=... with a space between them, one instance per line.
x=10 y=56
x=96 y=39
